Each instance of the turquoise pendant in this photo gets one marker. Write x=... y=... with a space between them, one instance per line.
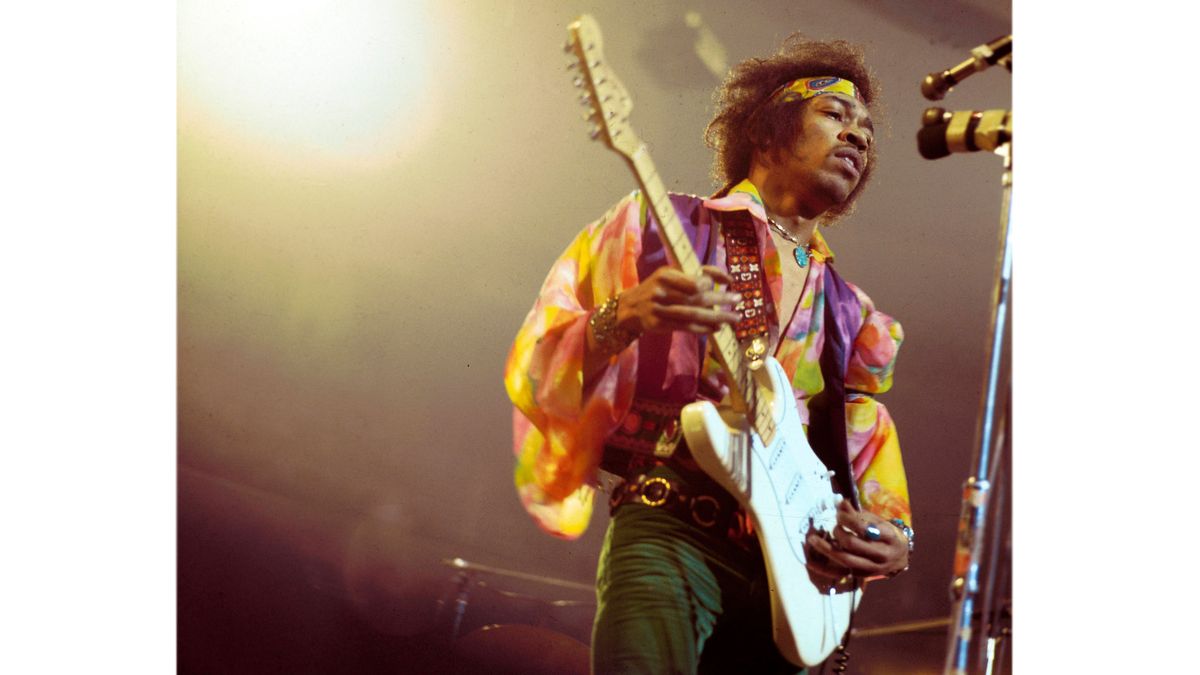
x=801 y=254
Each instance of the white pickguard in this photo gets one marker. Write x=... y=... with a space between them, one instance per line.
x=787 y=492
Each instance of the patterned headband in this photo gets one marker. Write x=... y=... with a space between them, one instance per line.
x=808 y=87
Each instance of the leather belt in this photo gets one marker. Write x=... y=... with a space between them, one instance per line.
x=717 y=513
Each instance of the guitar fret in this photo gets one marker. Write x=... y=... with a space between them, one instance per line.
x=729 y=348
x=762 y=415
x=677 y=242
x=674 y=235
x=729 y=353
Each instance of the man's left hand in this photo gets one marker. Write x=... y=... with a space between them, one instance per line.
x=853 y=551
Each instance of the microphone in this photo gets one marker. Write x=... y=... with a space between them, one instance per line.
x=935 y=85
x=944 y=132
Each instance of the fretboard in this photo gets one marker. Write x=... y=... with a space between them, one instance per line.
x=743 y=390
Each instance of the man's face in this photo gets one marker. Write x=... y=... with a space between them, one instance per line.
x=828 y=158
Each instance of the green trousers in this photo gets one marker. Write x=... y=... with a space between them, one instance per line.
x=675 y=599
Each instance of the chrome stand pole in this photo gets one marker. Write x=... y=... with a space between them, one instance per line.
x=993 y=612
x=977 y=488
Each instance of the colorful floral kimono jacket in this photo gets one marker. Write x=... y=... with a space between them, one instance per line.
x=560 y=426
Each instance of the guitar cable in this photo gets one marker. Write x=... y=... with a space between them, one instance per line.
x=842 y=654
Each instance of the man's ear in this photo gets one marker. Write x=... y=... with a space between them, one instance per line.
x=767 y=156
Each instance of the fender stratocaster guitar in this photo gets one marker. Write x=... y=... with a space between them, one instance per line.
x=755 y=446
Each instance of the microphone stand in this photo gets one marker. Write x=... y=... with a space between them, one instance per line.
x=997 y=609
x=977 y=488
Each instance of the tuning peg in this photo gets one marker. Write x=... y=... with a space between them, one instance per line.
x=578 y=82
x=584 y=99
x=572 y=65
x=594 y=133
x=591 y=112
x=611 y=114
x=596 y=63
x=567 y=46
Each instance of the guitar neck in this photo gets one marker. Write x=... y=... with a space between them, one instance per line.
x=683 y=256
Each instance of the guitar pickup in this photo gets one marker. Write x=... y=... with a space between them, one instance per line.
x=775 y=456
x=793 y=488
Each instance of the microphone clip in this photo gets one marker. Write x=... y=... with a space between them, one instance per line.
x=935 y=86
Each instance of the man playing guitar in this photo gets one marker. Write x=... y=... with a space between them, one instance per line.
x=619 y=341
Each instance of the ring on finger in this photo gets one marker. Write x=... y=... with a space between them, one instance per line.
x=872 y=533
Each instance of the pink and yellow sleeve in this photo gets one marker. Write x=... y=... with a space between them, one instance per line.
x=559 y=426
x=871 y=433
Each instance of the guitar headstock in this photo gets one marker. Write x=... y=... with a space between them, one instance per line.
x=603 y=94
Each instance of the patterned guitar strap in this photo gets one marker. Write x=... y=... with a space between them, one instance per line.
x=827 y=410
x=745 y=268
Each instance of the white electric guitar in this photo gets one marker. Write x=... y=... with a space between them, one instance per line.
x=755 y=447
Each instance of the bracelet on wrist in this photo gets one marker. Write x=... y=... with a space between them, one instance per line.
x=610 y=338
x=910 y=538
x=907 y=531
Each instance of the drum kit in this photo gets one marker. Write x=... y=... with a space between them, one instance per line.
x=477 y=645
x=504 y=648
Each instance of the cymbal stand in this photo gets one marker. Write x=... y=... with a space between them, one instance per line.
x=977 y=488
x=462 y=582
x=466 y=576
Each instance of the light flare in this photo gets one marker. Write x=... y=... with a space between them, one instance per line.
x=338 y=78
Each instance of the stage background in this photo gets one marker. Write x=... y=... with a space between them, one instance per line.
x=369 y=196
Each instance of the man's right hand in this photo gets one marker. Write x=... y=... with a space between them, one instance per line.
x=669 y=300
